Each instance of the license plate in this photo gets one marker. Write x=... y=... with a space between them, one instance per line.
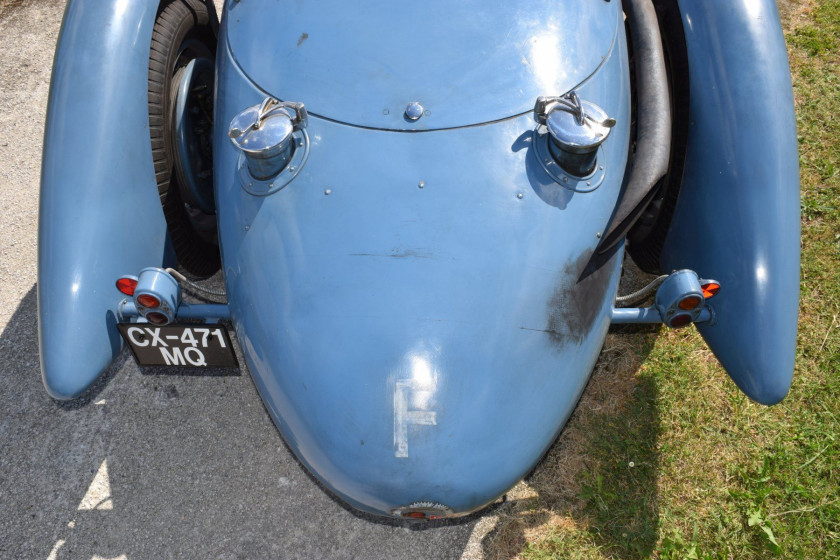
x=179 y=345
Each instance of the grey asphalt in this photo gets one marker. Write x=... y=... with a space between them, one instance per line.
x=151 y=465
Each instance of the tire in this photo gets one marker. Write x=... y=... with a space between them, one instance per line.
x=184 y=30
x=647 y=238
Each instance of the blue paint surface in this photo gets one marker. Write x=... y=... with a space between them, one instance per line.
x=737 y=219
x=100 y=215
x=453 y=314
x=417 y=310
x=466 y=62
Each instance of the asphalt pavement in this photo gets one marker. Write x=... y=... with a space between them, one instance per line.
x=149 y=465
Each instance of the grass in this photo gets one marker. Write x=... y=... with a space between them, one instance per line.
x=665 y=458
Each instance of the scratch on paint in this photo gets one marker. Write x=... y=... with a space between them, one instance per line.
x=397 y=254
x=540 y=330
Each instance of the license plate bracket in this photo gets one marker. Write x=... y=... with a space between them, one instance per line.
x=189 y=345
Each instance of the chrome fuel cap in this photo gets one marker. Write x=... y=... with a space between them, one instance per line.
x=581 y=129
x=264 y=134
x=576 y=130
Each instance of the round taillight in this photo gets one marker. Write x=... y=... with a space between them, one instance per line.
x=157 y=318
x=710 y=289
x=690 y=302
x=148 y=301
x=127 y=285
x=680 y=321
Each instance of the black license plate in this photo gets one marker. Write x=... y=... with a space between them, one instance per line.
x=179 y=345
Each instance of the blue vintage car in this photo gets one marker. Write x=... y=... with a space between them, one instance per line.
x=420 y=211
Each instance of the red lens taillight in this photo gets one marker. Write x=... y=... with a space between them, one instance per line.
x=148 y=301
x=710 y=289
x=414 y=515
x=680 y=320
x=157 y=318
x=127 y=285
x=691 y=302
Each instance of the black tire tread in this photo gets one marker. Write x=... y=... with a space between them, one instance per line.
x=647 y=238
x=176 y=21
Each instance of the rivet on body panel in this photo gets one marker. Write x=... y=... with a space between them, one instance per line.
x=413 y=111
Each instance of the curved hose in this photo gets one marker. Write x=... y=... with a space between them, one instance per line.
x=640 y=295
x=196 y=289
x=653 y=121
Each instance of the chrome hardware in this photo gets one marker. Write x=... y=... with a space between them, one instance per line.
x=414 y=111
x=576 y=128
x=571 y=103
x=264 y=134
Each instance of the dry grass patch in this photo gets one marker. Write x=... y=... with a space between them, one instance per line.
x=548 y=505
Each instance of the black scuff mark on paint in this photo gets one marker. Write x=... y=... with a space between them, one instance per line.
x=396 y=254
x=413 y=254
x=302 y=39
x=578 y=298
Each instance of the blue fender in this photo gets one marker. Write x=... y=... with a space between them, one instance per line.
x=100 y=215
x=737 y=219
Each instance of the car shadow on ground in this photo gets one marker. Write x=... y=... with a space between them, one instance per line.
x=148 y=465
x=599 y=479
x=158 y=466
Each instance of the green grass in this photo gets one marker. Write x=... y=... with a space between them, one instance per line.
x=665 y=457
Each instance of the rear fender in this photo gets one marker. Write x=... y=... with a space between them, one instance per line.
x=737 y=219
x=100 y=215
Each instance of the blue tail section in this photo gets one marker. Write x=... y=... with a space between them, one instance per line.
x=418 y=316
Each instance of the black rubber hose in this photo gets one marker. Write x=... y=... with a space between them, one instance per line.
x=653 y=121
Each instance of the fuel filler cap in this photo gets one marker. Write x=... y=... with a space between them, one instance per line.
x=576 y=128
x=264 y=134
